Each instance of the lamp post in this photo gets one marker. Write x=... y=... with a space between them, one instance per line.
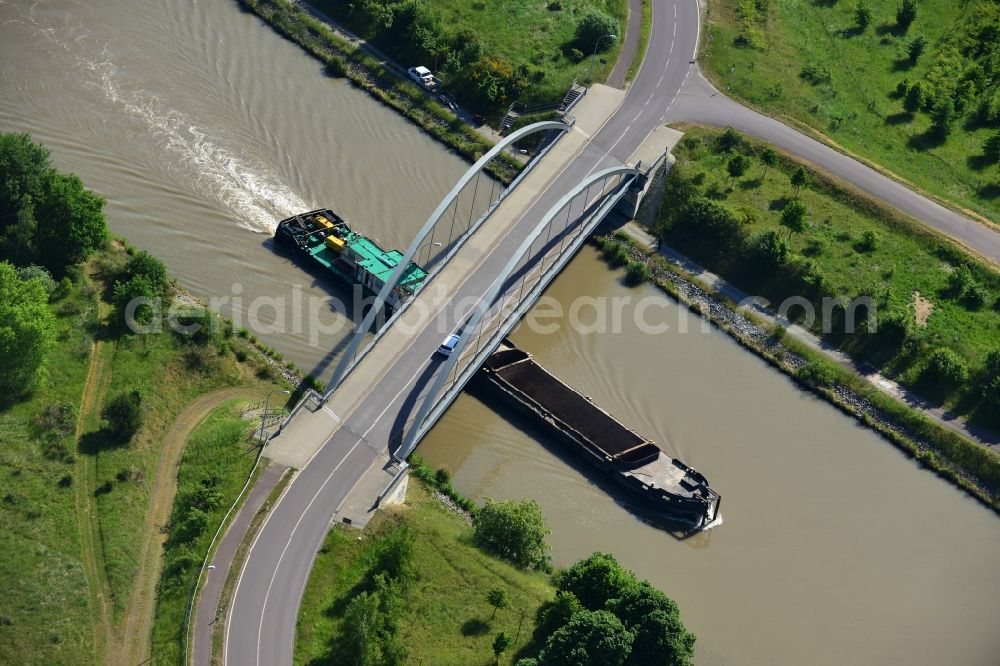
x=593 y=56
x=263 y=417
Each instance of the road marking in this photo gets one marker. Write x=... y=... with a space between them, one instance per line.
x=260 y=627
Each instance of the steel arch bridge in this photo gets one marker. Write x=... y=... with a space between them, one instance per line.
x=506 y=300
x=350 y=357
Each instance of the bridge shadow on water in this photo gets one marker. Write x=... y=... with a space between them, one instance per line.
x=339 y=293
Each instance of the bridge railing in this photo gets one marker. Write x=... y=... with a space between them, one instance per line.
x=501 y=312
x=352 y=357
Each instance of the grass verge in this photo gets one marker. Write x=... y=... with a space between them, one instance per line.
x=446 y=619
x=813 y=64
x=644 y=30
x=216 y=461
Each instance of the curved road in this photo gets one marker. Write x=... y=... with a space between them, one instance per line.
x=265 y=604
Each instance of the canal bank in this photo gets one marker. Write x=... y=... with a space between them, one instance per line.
x=835 y=548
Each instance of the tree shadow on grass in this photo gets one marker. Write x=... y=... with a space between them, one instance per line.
x=989 y=191
x=900 y=118
x=752 y=184
x=903 y=64
x=978 y=162
x=105 y=439
x=778 y=204
x=925 y=141
x=475 y=626
x=893 y=29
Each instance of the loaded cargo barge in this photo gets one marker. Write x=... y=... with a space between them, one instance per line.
x=665 y=485
x=322 y=237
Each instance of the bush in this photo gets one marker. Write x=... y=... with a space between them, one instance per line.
x=40 y=274
x=946 y=368
x=512 y=530
x=592 y=29
x=870 y=241
x=815 y=74
x=124 y=414
x=637 y=273
x=816 y=373
x=27 y=331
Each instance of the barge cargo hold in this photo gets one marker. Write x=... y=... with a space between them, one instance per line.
x=324 y=238
x=666 y=485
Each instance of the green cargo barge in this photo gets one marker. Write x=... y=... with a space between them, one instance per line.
x=324 y=237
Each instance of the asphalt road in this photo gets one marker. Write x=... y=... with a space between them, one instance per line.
x=700 y=102
x=265 y=604
x=261 y=627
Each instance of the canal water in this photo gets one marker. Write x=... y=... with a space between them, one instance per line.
x=202 y=127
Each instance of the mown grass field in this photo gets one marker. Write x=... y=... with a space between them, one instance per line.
x=57 y=489
x=447 y=619
x=908 y=260
x=852 y=100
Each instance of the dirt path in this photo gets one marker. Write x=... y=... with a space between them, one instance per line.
x=133 y=642
x=98 y=587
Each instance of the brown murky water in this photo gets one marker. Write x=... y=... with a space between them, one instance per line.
x=835 y=549
x=202 y=127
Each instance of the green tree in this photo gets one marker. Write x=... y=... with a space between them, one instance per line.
x=501 y=644
x=38 y=273
x=767 y=252
x=144 y=264
x=46 y=218
x=592 y=28
x=946 y=368
x=556 y=613
x=512 y=530
x=915 y=97
x=729 y=140
x=590 y=637
x=136 y=301
x=679 y=189
x=18 y=240
x=769 y=158
x=863 y=15
x=906 y=13
x=497 y=597
x=661 y=640
x=943 y=118
x=27 y=331
x=737 y=166
x=800 y=178
x=596 y=580
x=793 y=216
x=26 y=168
x=124 y=414
x=71 y=223
x=916 y=48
